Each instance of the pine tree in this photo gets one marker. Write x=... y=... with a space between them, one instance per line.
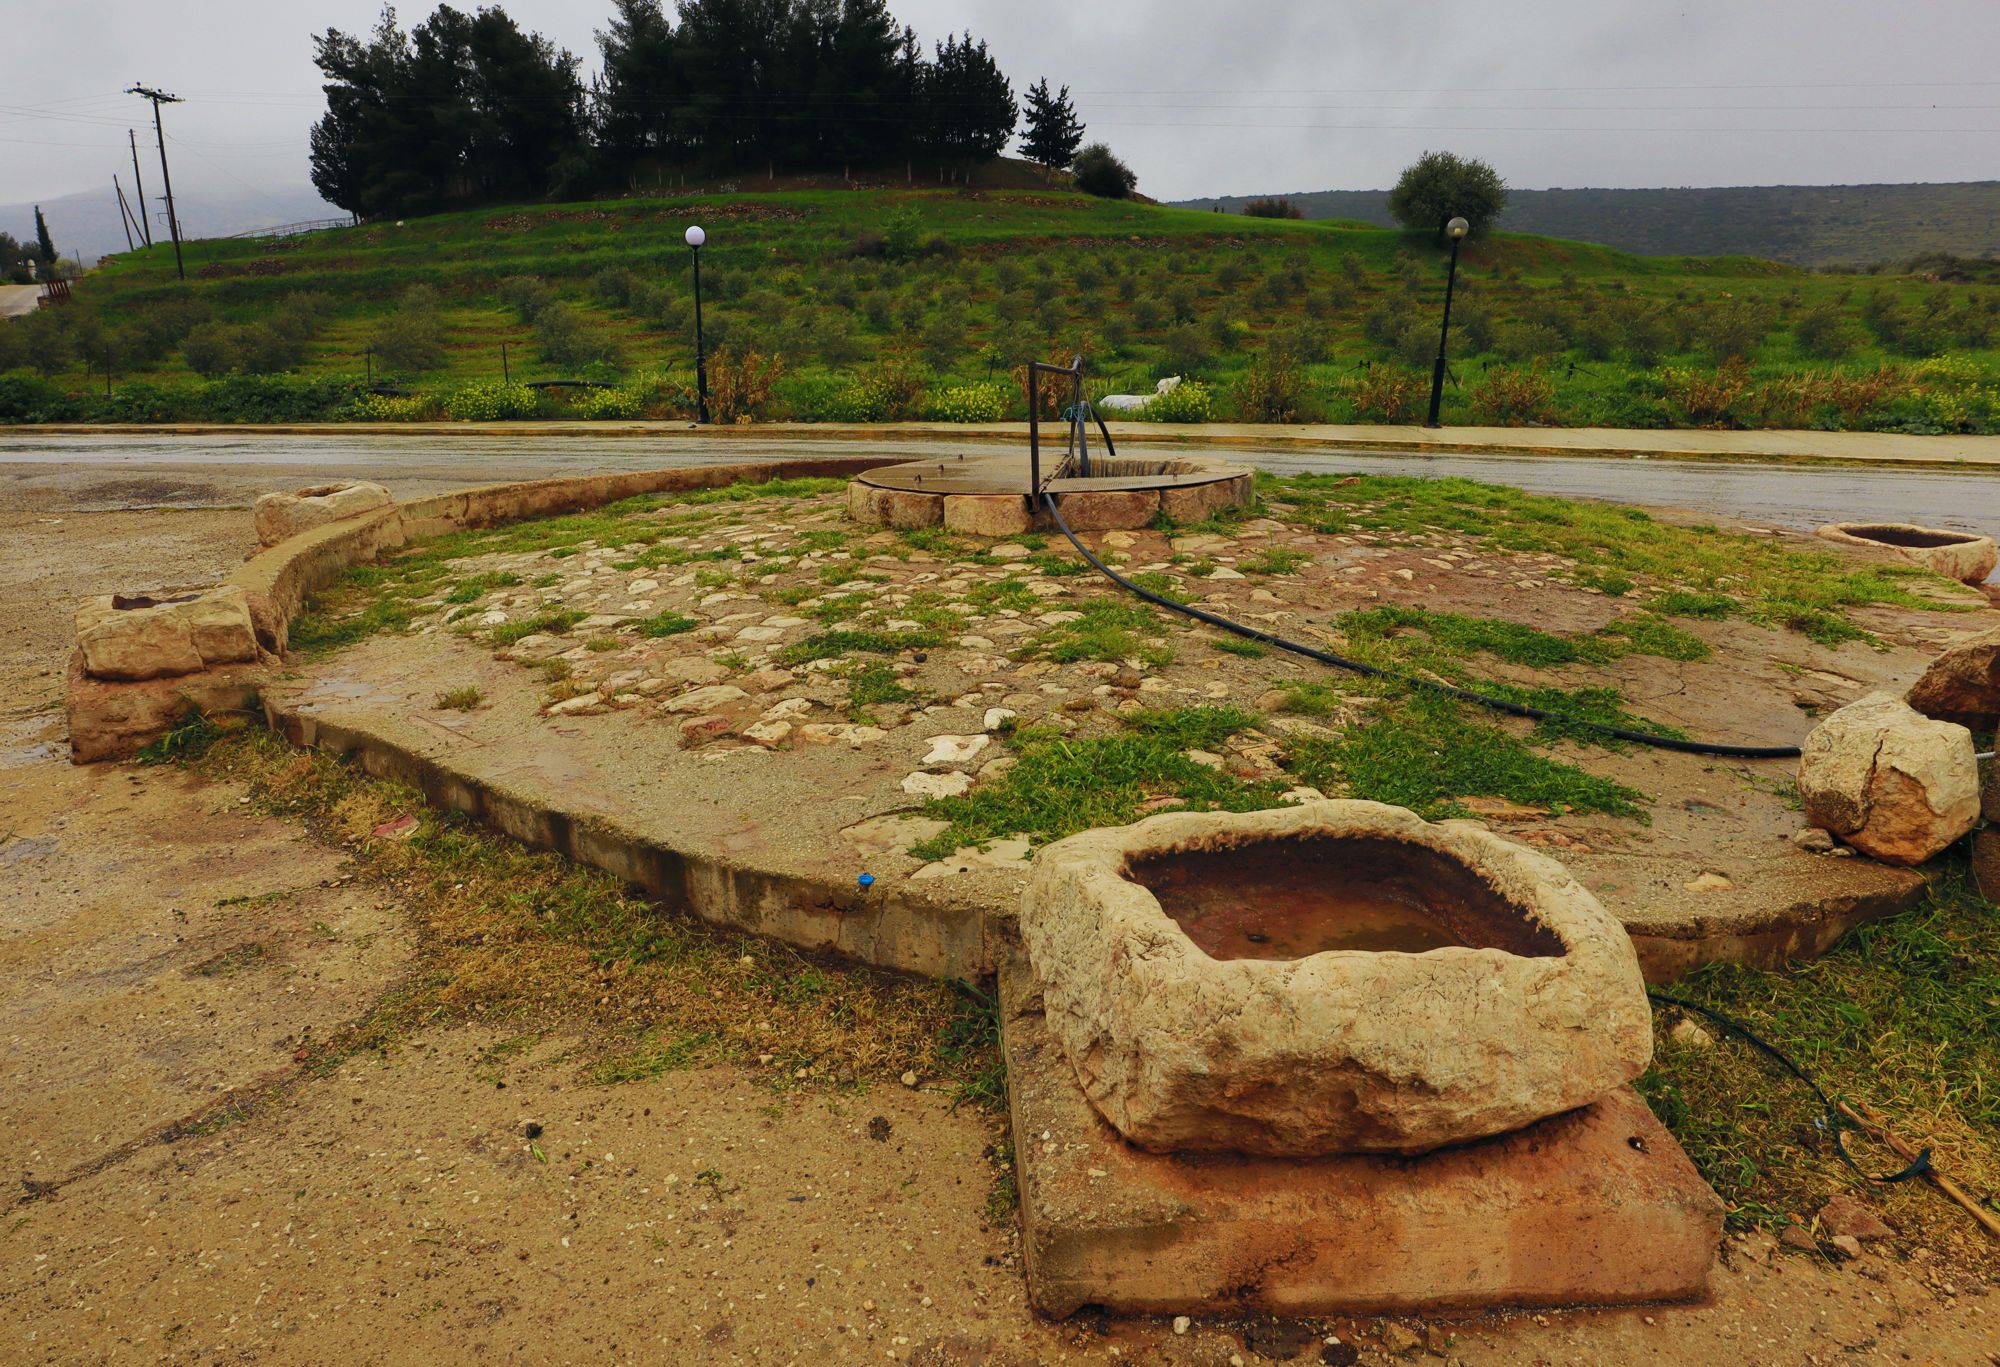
x=1053 y=130
x=45 y=245
x=968 y=103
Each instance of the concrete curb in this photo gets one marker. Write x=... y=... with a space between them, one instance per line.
x=1879 y=449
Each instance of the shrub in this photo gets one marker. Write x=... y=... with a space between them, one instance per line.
x=272 y=398
x=1098 y=172
x=1188 y=401
x=1184 y=350
x=1824 y=331
x=1707 y=399
x=138 y=401
x=264 y=349
x=1529 y=341
x=986 y=402
x=209 y=350
x=565 y=336
x=394 y=408
x=739 y=388
x=1273 y=208
x=527 y=295
x=816 y=397
x=611 y=405
x=1273 y=390
x=1514 y=398
x=411 y=340
x=26 y=397
x=617 y=287
x=1387 y=394
x=491 y=402
x=888 y=391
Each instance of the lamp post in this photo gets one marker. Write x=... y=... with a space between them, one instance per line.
x=1456 y=231
x=695 y=237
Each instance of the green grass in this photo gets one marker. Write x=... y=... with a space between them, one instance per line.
x=1425 y=752
x=1110 y=629
x=834 y=645
x=461 y=699
x=542 y=624
x=1697 y=571
x=1062 y=784
x=1899 y=1015
x=667 y=623
x=782 y=279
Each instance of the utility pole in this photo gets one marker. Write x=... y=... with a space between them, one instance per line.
x=139 y=189
x=160 y=97
x=124 y=214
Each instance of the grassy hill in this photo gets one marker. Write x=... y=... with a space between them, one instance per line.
x=901 y=303
x=1807 y=225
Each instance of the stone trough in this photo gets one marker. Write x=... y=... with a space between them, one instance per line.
x=1241 y=1014
x=1964 y=556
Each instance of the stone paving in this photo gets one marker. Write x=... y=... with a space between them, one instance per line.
x=719 y=631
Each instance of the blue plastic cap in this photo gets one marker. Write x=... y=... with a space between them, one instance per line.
x=866 y=880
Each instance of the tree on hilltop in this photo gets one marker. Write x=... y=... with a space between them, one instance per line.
x=1053 y=133
x=1439 y=185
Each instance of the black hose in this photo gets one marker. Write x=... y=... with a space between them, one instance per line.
x=1515 y=709
x=1834 y=1123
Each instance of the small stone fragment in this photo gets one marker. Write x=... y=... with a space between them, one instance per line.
x=1813 y=840
x=1709 y=882
x=1847 y=1246
x=1850 y=1216
x=921 y=784
x=704 y=699
x=955 y=749
x=1399 y=1340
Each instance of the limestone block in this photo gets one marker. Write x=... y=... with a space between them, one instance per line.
x=280 y=516
x=1889 y=781
x=1962 y=684
x=1342 y=1051
x=134 y=638
x=988 y=514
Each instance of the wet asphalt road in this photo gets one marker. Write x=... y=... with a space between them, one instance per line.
x=97 y=473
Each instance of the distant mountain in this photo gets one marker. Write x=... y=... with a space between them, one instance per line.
x=86 y=225
x=1809 y=225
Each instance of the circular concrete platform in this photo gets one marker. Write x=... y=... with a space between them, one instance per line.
x=986 y=493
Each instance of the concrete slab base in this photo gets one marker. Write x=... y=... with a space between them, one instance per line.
x=1596 y=1207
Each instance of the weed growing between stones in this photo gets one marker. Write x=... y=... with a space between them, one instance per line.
x=462 y=699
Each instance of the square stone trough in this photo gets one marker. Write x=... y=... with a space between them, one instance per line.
x=1333 y=1058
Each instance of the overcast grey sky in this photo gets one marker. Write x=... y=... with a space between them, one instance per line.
x=1201 y=96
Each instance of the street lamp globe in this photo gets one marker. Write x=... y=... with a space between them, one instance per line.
x=695 y=236
x=1454 y=230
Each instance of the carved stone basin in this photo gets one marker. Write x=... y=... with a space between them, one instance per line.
x=1333 y=977
x=1964 y=556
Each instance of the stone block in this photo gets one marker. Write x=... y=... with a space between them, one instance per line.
x=897 y=508
x=1109 y=510
x=281 y=516
x=1986 y=862
x=110 y=719
x=1963 y=684
x=132 y=638
x=1598 y=1206
x=1889 y=781
x=992 y=515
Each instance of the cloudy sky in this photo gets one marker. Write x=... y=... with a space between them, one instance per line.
x=1201 y=96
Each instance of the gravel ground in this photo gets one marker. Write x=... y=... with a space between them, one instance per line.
x=165 y=952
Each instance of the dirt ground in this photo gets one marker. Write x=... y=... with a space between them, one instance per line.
x=187 y=1192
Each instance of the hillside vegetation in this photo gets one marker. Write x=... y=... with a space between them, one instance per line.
x=890 y=304
x=1808 y=225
